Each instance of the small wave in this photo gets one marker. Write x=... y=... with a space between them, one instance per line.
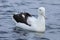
x=5 y=6
x=10 y=11
x=20 y=4
x=55 y=4
x=4 y=1
x=5 y=17
x=3 y=32
x=48 y=27
x=33 y=8
x=20 y=39
x=45 y=39
x=0 y=25
x=52 y=32
x=3 y=37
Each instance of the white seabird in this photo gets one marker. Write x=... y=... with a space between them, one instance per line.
x=30 y=22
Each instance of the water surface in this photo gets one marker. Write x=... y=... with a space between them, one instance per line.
x=8 y=7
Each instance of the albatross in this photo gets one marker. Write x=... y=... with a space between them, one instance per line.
x=26 y=21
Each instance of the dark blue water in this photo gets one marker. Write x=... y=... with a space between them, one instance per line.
x=8 y=7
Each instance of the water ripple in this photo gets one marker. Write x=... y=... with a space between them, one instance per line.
x=53 y=4
x=50 y=3
x=33 y=8
x=3 y=37
x=0 y=25
x=48 y=27
x=20 y=39
x=52 y=32
x=20 y=4
x=5 y=6
x=10 y=11
x=8 y=7
x=4 y=1
x=3 y=32
x=45 y=39
x=5 y=16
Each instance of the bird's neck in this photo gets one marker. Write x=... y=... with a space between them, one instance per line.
x=40 y=17
x=41 y=23
x=41 y=20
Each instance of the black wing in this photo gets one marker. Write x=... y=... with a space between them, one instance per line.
x=19 y=18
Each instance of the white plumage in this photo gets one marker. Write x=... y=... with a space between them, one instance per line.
x=37 y=24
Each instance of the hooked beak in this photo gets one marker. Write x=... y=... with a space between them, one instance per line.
x=43 y=15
